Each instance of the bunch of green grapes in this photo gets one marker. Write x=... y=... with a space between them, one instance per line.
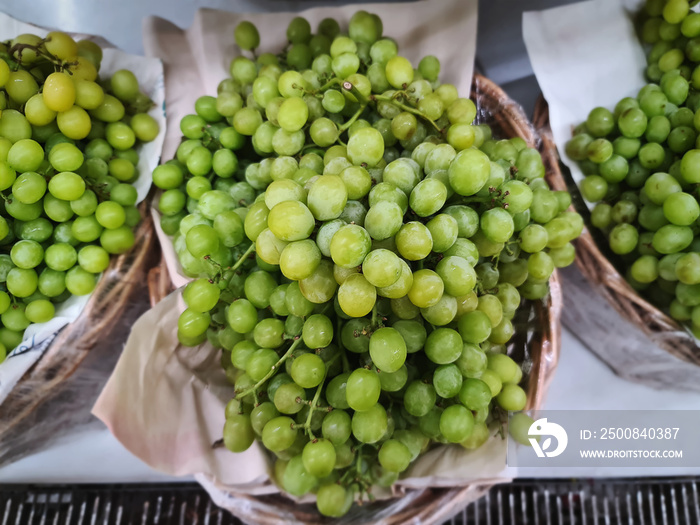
x=360 y=249
x=642 y=167
x=67 y=161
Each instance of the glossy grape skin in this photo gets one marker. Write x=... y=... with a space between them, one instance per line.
x=414 y=241
x=362 y=390
x=370 y=425
x=290 y=221
x=350 y=245
x=469 y=171
x=387 y=349
x=357 y=296
x=238 y=433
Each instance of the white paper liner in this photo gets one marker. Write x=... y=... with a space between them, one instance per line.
x=149 y=72
x=584 y=55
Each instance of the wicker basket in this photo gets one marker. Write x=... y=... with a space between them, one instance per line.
x=540 y=346
x=96 y=328
x=647 y=346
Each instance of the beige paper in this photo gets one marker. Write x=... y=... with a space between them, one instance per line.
x=165 y=402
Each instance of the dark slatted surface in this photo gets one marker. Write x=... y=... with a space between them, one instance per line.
x=525 y=502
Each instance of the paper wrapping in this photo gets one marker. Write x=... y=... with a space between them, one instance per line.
x=165 y=402
x=149 y=71
x=586 y=55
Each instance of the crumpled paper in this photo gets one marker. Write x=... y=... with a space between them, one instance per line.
x=584 y=55
x=165 y=402
x=149 y=71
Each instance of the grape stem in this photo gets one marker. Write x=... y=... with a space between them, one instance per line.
x=375 y=317
x=325 y=87
x=243 y=258
x=348 y=86
x=409 y=109
x=272 y=371
x=352 y=119
x=317 y=395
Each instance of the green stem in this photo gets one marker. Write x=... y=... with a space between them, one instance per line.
x=272 y=371
x=317 y=395
x=352 y=119
x=243 y=257
x=307 y=424
x=409 y=109
x=347 y=86
x=332 y=82
x=375 y=317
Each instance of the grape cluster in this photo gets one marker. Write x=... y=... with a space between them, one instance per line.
x=642 y=166
x=359 y=250
x=67 y=159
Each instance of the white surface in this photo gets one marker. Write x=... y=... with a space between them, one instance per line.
x=94 y=456
x=582 y=382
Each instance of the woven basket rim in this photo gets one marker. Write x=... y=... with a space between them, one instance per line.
x=107 y=303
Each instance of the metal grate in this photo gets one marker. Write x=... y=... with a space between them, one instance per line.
x=155 y=504
x=673 y=501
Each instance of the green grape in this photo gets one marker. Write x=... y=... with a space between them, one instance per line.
x=366 y=147
x=333 y=500
x=447 y=380
x=681 y=209
x=350 y=245
x=474 y=327
x=419 y=398
x=672 y=239
x=362 y=390
x=327 y=197
x=512 y=398
x=384 y=218
x=370 y=425
x=475 y=394
x=279 y=433
x=319 y=457
x=443 y=346
x=308 y=370
x=287 y=399
x=387 y=349
x=238 y=433
x=382 y=267
x=469 y=172
x=456 y=423
x=428 y=197
x=414 y=241
x=600 y=122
